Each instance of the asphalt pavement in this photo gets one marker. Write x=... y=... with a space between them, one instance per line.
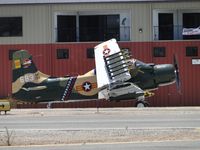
x=167 y=145
x=80 y=119
x=81 y=128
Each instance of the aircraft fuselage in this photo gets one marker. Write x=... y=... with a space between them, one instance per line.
x=145 y=76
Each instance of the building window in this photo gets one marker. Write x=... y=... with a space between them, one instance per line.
x=66 y=28
x=99 y=27
x=192 y=21
x=10 y=26
x=85 y=27
x=62 y=53
x=176 y=24
x=159 y=52
x=165 y=26
x=191 y=51
x=90 y=52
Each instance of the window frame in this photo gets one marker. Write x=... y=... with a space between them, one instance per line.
x=122 y=15
x=90 y=53
x=178 y=22
x=55 y=27
x=92 y=31
x=158 y=54
x=156 y=12
x=180 y=19
x=189 y=54
x=21 y=17
x=59 y=50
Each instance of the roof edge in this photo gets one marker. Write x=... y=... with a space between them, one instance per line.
x=18 y=2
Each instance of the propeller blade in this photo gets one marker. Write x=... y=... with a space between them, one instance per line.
x=177 y=75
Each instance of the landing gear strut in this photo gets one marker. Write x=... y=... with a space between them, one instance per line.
x=49 y=105
x=141 y=102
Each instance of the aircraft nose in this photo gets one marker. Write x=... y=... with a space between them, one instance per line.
x=164 y=73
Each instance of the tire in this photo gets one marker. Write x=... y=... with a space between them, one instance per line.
x=141 y=104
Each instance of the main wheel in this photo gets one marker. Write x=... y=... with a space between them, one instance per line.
x=141 y=104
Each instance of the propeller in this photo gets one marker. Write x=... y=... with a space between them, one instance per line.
x=177 y=75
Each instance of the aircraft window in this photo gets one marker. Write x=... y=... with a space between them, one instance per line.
x=191 y=51
x=90 y=52
x=62 y=53
x=159 y=52
x=10 y=26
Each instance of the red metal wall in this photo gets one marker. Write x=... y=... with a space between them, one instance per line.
x=44 y=56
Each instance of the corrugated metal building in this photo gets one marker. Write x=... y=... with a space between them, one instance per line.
x=152 y=30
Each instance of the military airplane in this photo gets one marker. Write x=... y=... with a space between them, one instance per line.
x=117 y=77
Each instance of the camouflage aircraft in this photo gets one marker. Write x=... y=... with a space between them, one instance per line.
x=117 y=77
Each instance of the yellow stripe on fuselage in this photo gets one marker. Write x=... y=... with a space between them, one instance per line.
x=80 y=87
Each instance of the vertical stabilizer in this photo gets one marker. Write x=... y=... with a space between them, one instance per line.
x=24 y=71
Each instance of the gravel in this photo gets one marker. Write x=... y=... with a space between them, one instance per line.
x=43 y=137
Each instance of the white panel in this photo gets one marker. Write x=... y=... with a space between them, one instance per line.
x=106 y=50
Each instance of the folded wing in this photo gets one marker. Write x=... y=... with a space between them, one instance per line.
x=113 y=72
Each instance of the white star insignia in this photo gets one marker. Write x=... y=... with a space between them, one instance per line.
x=106 y=52
x=87 y=86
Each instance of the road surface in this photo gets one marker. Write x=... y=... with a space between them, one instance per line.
x=169 y=145
x=106 y=119
x=108 y=125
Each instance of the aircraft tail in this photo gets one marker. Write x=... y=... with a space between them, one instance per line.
x=24 y=71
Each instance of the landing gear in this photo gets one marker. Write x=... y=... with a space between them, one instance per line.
x=141 y=102
x=49 y=105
